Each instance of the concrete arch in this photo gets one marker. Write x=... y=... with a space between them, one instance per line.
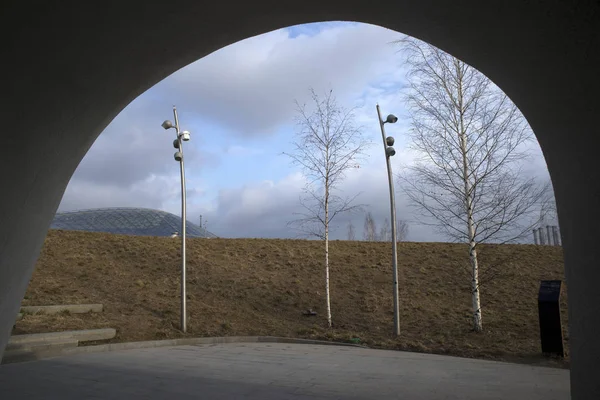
x=70 y=67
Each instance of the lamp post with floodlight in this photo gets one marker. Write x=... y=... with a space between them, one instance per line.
x=182 y=136
x=388 y=142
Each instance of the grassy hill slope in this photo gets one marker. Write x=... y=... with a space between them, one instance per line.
x=261 y=287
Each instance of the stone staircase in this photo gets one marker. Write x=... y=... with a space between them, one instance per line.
x=42 y=345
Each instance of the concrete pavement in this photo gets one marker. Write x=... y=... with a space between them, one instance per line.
x=276 y=371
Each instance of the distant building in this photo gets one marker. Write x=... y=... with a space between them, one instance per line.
x=127 y=221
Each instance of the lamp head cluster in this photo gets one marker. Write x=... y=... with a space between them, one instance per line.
x=181 y=136
x=389 y=141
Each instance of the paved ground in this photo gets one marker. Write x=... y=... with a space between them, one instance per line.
x=276 y=371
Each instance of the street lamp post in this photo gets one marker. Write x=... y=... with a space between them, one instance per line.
x=178 y=144
x=389 y=152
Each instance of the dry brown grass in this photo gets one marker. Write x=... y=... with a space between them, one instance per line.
x=261 y=287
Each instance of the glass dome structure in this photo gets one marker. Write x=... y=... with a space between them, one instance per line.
x=126 y=221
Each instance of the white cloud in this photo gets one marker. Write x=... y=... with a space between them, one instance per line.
x=251 y=86
x=257 y=209
x=231 y=100
x=151 y=192
x=243 y=151
x=248 y=87
x=263 y=209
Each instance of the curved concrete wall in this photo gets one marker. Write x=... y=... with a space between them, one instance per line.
x=70 y=67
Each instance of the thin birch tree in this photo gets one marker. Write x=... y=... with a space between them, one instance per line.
x=402 y=230
x=472 y=142
x=328 y=144
x=370 y=228
x=351 y=231
x=384 y=231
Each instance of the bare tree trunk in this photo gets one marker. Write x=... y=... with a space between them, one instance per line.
x=402 y=228
x=370 y=228
x=327 y=296
x=327 y=145
x=384 y=232
x=351 y=234
x=475 y=298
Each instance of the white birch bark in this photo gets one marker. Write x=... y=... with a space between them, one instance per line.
x=475 y=298
x=327 y=294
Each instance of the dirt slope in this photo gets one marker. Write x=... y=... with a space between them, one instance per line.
x=261 y=287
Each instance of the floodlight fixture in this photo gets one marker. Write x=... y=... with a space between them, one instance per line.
x=391 y=119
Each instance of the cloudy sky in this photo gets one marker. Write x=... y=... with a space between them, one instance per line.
x=239 y=105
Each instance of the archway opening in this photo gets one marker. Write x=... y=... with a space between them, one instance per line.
x=239 y=104
x=72 y=109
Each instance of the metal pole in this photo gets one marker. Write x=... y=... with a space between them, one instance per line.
x=549 y=235
x=183 y=220
x=393 y=218
x=535 y=238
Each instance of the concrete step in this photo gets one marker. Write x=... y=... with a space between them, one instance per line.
x=31 y=351
x=81 y=336
x=42 y=345
x=56 y=309
x=15 y=356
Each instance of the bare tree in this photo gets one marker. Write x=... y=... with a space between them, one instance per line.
x=351 y=233
x=370 y=233
x=401 y=230
x=203 y=223
x=385 y=231
x=328 y=144
x=472 y=141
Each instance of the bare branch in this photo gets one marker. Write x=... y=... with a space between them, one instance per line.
x=468 y=180
x=327 y=145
